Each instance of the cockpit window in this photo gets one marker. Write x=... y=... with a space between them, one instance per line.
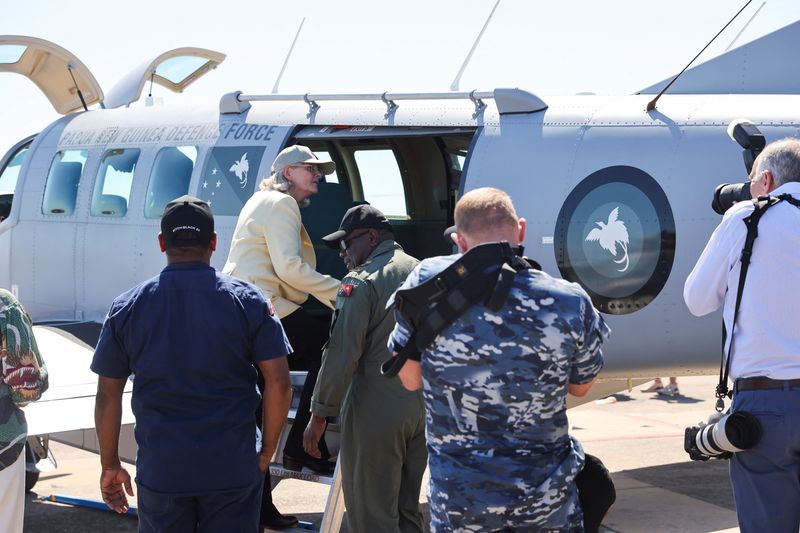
x=61 y=188
x=177 y=69
x=112 y=190
x=11 y=53
x=169 y=178
x=9 y=175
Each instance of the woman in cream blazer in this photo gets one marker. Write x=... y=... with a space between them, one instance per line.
x=272 y=250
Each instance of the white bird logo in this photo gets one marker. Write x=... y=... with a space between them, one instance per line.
x=241 y=168
x=609 y=234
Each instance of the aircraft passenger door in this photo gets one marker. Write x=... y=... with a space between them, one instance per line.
x=410 y=174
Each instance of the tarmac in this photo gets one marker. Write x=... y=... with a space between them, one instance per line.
x=639 y=437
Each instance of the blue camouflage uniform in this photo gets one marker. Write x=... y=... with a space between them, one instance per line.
x=495 y=390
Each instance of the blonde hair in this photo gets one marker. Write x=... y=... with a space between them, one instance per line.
x=485 y=210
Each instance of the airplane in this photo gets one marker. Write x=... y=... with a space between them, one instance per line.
x=80 y=201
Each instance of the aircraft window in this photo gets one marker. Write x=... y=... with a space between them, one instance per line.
x=169 y=178
x=176 y=69
x=8 y=178
x=10 y=53
x=112 y=190
x=381 y=181
x=324 y=155
x=61 y=188
x=457 y=161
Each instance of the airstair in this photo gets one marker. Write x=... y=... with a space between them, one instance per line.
x=334 y=506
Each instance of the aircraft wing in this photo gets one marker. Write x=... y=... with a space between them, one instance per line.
x=68 y=404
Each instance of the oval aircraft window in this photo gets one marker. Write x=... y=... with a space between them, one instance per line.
x=615 y=236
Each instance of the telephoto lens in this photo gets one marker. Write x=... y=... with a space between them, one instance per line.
x=722 y=435
x=727 y=194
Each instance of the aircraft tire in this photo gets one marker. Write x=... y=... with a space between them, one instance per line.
x=31 y=478
x=31 y=472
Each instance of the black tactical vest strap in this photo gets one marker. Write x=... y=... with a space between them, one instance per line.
x=762 y=203
x=435 y=304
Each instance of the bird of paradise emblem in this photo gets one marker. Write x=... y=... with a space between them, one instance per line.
x=241 y=168
x=610 y=234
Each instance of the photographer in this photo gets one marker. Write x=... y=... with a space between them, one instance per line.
x=765 y=354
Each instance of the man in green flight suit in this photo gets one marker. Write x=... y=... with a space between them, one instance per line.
x=383 y=455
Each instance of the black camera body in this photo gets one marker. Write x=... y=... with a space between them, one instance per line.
x=752 y=141
x=721 y=436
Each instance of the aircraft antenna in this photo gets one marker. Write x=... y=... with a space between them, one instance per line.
x=746 y=25
x=70 y=66
x=457 y=80
x=651 y=105
x=286 y=61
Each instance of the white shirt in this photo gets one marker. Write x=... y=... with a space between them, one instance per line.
x=767 y=334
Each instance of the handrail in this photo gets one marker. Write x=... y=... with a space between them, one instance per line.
x=517 y=100
x=367 y=96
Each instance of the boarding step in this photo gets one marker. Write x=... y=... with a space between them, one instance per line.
x=334 y=506
x=302 y=527
x=279 y=471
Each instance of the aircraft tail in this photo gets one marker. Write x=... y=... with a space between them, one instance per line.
x=768 y=65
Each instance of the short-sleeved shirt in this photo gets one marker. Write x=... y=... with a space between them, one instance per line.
x=495 y=387
x=23 y=375
x=191 y=337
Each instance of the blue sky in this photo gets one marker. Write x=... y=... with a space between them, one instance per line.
x=564 y=47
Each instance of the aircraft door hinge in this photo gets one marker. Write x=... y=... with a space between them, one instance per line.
x=479 y=105
x=312 y=105
x=391 y=106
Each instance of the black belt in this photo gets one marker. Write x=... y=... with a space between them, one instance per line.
x=760 y=383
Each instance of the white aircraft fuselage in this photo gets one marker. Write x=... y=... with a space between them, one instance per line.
x=70 y=267
x=616 y=198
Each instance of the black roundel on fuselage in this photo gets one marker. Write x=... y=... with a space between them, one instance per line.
x=615 y=236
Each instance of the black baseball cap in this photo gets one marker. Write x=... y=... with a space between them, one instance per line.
x=359 y=217
x=187 y=221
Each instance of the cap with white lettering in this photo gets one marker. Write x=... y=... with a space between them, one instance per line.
x=187 y=221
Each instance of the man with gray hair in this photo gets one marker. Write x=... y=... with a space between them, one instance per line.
x=765 y=357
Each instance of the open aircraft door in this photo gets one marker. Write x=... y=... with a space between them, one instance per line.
x=175 y=70
x=412 y=174
x=60 y=75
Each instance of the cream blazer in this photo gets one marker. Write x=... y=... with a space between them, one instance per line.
x=271 y=249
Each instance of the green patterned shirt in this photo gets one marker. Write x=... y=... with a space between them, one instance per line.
x=23 y=378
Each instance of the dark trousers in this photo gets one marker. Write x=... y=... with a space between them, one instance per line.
x=307 y=335
x=596 y=492
x=766 y=478
x=235 y=511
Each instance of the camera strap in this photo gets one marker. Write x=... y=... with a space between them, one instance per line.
x=762 y=203
x=438 y=302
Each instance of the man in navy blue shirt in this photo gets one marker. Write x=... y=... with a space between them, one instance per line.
x=191 y=337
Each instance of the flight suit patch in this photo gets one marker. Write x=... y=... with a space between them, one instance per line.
x=345 y=289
